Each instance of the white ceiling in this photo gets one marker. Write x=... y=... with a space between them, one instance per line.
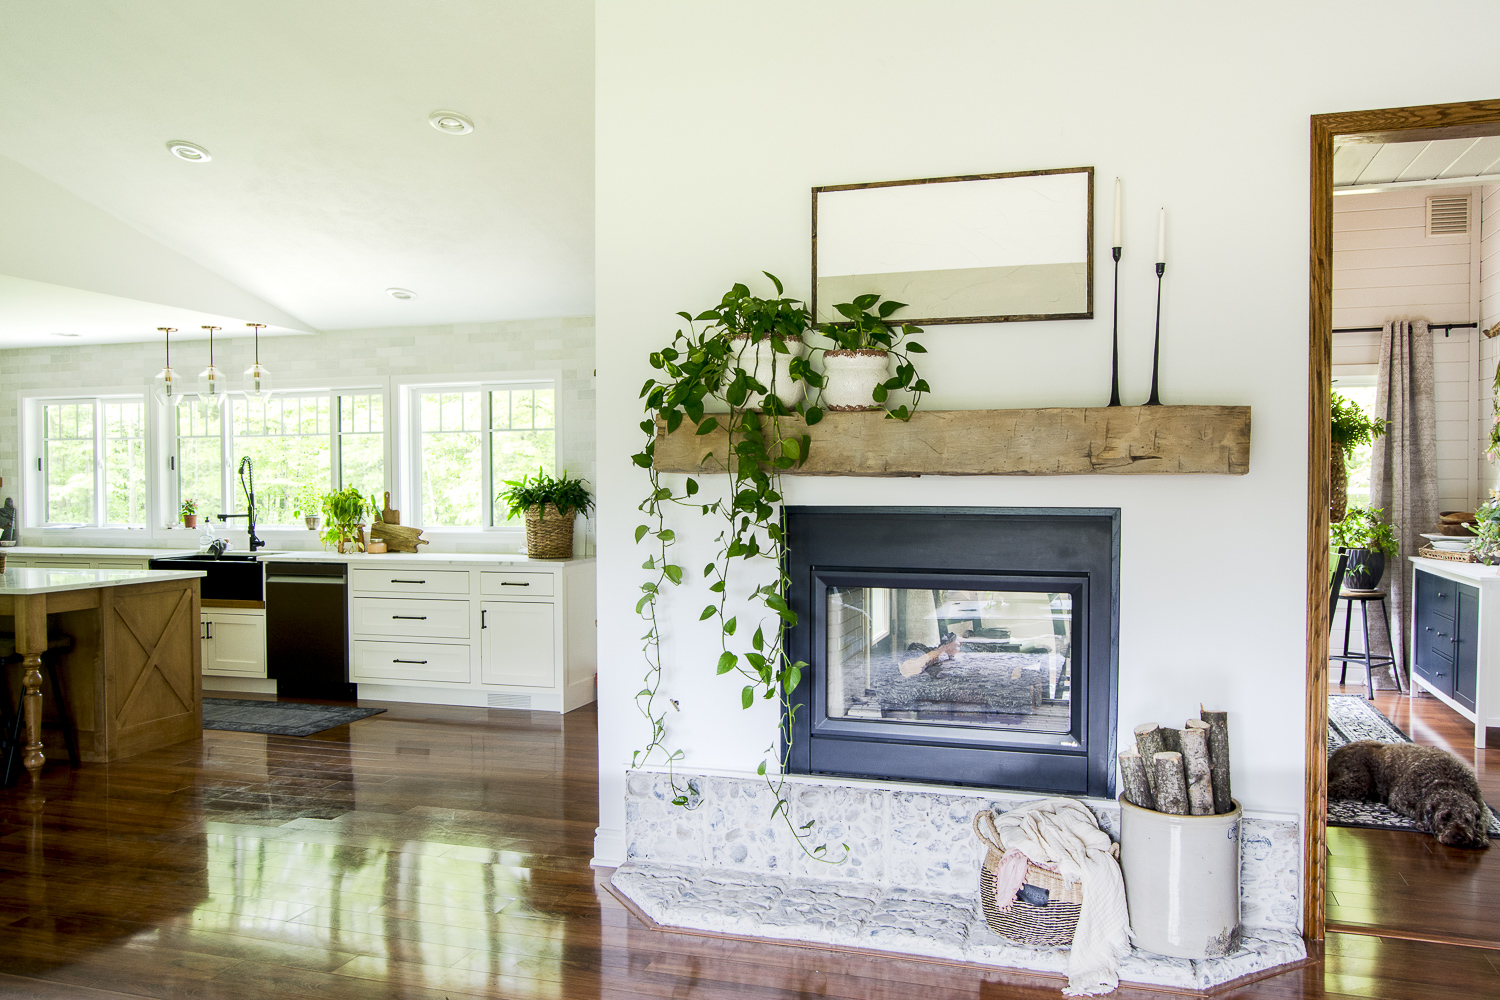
x=1364 y=164
x=327 y=184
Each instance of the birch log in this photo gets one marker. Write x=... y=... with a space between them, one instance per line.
x=1137 y=787
x=1171 y=739
x=1148 y=742
x=1218 y=755
x=1171 y=783
x=1195 y=761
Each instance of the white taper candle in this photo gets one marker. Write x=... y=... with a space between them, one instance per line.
x=1161 y=238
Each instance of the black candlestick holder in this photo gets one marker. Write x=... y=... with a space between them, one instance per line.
x=1155 y=400
x=1114 y=374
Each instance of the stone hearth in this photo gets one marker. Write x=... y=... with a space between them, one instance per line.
x=910 y=884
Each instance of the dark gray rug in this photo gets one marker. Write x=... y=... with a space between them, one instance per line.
x=1352 y=718
x=278 y=718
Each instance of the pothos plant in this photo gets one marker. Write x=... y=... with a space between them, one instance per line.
x=864 y=328
x=707 y=361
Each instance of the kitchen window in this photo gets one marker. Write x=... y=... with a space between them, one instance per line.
x=299 y=441
x=90 y=456
x=468 y=440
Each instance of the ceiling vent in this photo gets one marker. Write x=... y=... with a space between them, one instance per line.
x=1448 y=216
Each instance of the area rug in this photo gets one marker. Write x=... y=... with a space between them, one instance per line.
x=1352 y=718
x=278 y=718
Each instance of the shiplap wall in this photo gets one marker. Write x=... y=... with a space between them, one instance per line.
x=1386 y=267
x=1489 y=315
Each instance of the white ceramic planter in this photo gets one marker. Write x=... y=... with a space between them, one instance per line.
x=769 y=368
x=850 y=378
x=1182 y=881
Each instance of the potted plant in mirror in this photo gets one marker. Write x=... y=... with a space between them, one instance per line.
x=856 y=370
x=1352 y=428
x=1369 y=541
x=309 y=507
x=344 y=517
x=549 y=507
x=190 y=513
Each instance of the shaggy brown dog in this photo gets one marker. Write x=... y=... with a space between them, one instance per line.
x=1425 y=784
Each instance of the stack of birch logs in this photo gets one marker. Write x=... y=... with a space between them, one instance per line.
x=1183 y=771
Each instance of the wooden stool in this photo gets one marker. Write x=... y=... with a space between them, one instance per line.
x=12 y=718
x=1370 y=661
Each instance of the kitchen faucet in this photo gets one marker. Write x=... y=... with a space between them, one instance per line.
x=248 y=468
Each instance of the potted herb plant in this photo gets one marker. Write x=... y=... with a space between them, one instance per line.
x=309 y=507
x=190 y=513
x=1352 y=428
x=1369 y=541
x=549 y=507
x=857 y=373
x=344 y=517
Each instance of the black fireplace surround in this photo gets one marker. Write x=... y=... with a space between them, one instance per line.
x=1064 y=561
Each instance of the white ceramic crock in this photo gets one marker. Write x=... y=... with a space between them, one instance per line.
x=1182 y=881
x=850 y=378
x=771 y=368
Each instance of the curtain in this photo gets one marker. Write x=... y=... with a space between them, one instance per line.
x=1403 y=465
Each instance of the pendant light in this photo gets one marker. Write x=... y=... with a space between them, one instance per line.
x=257 y=379
x=166 y=387
x=211 y=381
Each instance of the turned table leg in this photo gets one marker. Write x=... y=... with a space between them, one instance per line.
x=31 y=643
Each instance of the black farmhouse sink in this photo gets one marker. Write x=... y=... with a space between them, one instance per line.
x=231 y=577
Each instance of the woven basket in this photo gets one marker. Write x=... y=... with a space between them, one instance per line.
x=1048 y=926
x=1428 y=552
x=549 y=533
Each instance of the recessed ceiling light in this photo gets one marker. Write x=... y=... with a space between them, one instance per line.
x=67 y=335
x=450 y=122
x=401 y=293
x=191 y=152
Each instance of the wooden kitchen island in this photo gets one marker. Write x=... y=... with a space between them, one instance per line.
x=132 y=674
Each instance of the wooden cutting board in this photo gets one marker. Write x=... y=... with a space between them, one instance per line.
x=388 y=515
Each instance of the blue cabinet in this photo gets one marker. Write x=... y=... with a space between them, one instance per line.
x=1445 y=636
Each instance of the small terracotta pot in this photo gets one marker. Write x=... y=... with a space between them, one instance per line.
x=190 y=520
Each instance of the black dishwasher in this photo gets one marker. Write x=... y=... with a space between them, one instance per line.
x=307 y=630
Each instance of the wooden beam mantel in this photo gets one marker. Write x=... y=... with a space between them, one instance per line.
x=1058 y=441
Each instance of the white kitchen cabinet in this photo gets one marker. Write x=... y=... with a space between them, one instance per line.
x=234 y=642
x=397 y=662
x=403 y=617
x=517 y=643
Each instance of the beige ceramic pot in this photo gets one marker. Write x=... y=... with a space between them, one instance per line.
x=850 y=378
x=1182 y=881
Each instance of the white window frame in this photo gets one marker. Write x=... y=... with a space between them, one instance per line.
x=411 y=445
x=33 y=490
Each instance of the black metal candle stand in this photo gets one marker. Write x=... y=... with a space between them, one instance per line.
x=1114 y=374
x=1155 y=400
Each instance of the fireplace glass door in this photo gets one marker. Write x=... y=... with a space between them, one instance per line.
x=998 y=659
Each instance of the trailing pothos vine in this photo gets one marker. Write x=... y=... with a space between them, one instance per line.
x=745 y=354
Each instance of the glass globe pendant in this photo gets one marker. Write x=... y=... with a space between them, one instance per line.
x=166 y=387
x=257 y=378
x=212 y=385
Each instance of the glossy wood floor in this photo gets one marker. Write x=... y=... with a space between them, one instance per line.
x=435 y=853
x=1407 y=883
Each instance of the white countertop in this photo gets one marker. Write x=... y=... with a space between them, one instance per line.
x=1477 y=572
x=508 y=559
x=91 y=551
x=19 y=582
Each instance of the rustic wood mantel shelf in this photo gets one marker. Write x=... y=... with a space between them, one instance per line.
x=1057 y=441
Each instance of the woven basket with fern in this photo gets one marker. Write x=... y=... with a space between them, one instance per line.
x=549 y=507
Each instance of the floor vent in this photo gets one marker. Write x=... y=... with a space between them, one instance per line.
x=522 y=701
x=1448 y=216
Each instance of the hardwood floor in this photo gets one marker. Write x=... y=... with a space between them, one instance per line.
x=1408 y=884
x=436 y=853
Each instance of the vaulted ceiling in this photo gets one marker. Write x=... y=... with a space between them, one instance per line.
x=327 y=185
x=1358 y=163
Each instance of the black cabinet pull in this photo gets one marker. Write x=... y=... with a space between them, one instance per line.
x=408 y=581
x=415 y=618
x=482 y=613
x=409 y=661
x=507 y=583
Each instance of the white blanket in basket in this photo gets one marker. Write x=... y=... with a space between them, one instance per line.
x=1064 y=833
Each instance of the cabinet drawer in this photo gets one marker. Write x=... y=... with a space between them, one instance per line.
x=417 y=580
x=394 y=662
x=1437 y=595
x=408 y=619
x=515 y=584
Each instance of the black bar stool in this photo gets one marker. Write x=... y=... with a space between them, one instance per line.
x=1364 y=598
x=12 y=712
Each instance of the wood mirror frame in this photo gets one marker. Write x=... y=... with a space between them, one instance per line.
x=1433 y=121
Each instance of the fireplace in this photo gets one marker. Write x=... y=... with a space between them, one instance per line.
x=956 y=645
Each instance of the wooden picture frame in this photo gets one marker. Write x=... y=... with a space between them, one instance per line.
x=982 y=248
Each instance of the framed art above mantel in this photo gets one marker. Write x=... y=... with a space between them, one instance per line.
x=985 y=248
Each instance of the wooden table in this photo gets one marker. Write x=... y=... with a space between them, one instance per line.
x=133 y=675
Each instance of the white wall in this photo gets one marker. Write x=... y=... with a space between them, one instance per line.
x=1489 y=315
x=564 y=346
x=714 y=120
